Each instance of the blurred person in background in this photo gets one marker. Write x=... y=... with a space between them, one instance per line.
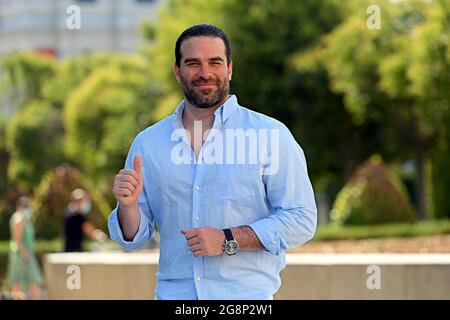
x=76 y=223
x=23 y=268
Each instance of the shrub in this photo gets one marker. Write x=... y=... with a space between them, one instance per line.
x=372 y=196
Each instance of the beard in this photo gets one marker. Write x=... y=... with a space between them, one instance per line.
x=209 y=97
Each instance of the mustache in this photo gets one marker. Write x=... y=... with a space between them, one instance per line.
x=204 y=81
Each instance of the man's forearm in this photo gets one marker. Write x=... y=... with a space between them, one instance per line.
x=247 y=239
x=129 y=220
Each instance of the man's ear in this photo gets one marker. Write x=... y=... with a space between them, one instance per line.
x=176 y=71
x=230 y=71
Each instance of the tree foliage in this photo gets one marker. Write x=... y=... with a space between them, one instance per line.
x=395 y=76
x=34 y=143
x=104 y=113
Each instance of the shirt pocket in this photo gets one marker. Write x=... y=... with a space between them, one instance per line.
x=238 y=184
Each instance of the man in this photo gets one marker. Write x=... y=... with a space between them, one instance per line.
x=224 y=225
x=75 y=223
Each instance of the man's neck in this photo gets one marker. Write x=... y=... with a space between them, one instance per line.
x=205 y=115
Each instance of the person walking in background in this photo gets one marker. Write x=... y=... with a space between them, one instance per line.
x=23 y=268
x=75 y=222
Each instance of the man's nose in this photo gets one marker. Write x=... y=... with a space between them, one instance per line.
x=205 y=71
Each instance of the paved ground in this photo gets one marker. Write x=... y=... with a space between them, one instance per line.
x=428 y=244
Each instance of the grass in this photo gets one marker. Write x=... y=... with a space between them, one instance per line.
x=424 y=228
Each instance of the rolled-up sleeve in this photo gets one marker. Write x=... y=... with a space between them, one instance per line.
x=289 y=191
x=143 y=235
x=145 y=231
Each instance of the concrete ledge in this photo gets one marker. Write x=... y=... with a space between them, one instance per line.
x=345 y=276
x=120 y=275
x=367 y=259
x=103 y=275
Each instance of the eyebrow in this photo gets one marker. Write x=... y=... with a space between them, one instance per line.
x=216 y=59
x=188 y=60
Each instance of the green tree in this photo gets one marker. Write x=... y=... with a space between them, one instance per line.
x=32 y=133
x=50 y=127
x=4 y=157
x=381 y=75
x=34 y=143
x=70 y=72
x=430 y=82
x=25 y=75
x=104 y=113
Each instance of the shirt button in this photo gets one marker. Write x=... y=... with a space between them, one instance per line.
x=197 y=188
x=197 y=218
x=198 y=278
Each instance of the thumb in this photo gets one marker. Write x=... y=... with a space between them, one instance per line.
x=137 y=164
x=184 y=231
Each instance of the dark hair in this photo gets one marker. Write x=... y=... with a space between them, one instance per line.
x=202 y=30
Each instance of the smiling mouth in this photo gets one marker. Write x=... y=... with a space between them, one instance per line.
x=205 y=85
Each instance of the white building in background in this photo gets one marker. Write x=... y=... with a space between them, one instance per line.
x=41 y=25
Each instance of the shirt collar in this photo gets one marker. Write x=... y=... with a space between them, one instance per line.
x=177 y=121
x=223 y=112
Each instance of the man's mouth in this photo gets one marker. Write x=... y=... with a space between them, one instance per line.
x=204 y=84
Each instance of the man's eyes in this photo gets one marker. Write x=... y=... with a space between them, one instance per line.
x=213 y=63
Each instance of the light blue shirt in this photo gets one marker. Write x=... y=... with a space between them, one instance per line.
x=273 y=195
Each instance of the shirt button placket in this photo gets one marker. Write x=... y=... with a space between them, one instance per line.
x=198 y=261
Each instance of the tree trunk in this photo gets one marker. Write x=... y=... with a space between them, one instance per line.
x=420 y=182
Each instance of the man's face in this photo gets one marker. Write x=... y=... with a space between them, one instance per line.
x=203 y=71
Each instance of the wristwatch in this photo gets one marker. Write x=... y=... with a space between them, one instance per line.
x=230 y=246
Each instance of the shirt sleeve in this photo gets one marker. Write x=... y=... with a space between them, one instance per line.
x=289 y=191
x=145 y=230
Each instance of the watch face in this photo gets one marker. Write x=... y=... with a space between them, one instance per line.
x=231 y=247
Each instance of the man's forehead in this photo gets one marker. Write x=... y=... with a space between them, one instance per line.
x=203 y=45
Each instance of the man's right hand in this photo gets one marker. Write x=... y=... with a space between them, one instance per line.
x=128 y=184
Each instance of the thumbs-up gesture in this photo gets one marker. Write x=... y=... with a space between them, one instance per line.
x=128 y=184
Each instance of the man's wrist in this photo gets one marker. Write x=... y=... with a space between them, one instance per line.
x=126 y=217
x=230 y=245
x=128 y=208
x=247 y=239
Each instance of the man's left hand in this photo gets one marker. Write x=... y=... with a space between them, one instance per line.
x=205 y=241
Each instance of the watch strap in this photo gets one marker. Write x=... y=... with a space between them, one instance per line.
x=228 y=234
